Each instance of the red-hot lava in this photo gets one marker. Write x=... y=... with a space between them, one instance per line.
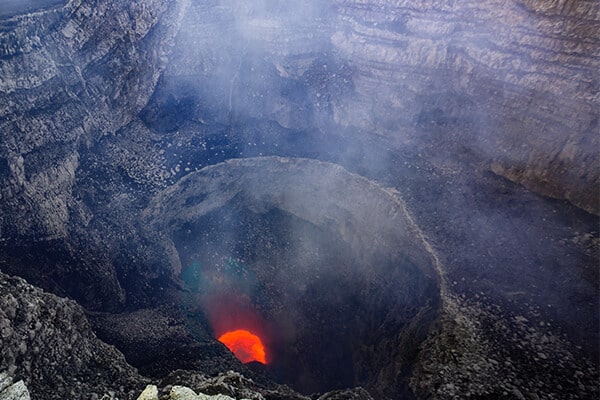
x=238 y=325
x=226 y=296
x=246 y=346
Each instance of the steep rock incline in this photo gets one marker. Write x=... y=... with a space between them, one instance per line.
x=48 y=342
x=513 y=84
x=48 y=348
x=67 y=77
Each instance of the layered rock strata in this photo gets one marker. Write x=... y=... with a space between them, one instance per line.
x=511 y=86
x=67 y=77
x=515 y=84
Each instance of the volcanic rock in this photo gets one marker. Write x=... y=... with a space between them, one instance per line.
x=473 y=77
x=149 y=393
x=379 y=261
x=158 y=341
x=48 y=343
x=472 y=112
x=69 y=76
x=234 y=385
x=12 y=391
x=183 y=393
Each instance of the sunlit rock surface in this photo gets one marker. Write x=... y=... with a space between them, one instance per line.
x=12 y=391
x=234 y=385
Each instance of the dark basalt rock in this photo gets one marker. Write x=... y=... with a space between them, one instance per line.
x=48 y=343
x=159 y=341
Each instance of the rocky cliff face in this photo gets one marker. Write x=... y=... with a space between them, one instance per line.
x=512 y=85
x=48 y=342
x=69 y=76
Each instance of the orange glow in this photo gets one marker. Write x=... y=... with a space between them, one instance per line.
x=244 y=345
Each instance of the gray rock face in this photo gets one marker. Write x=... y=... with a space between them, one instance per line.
x=105 y=103
x=234 y=385
x=69 y=76
x=12 y=391
x=512 y=83
x=511 y=86
x=455 y=83
x=365 y=215
x=47 y=341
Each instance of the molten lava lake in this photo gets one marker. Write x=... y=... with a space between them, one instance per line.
x=246 y=346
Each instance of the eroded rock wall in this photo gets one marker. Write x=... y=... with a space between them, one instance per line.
x=508 y=86
x=69 y=76
x=513 y=84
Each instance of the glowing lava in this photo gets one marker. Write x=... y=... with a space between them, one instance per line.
x=244 y=345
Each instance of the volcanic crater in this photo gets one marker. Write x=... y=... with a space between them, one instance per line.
x=399 y=195
x=327 y=267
